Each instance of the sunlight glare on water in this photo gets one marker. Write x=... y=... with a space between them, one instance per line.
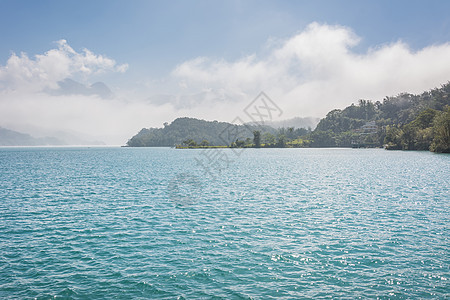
x=277 y=223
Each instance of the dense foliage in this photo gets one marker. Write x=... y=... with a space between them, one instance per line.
x=193 y=133
x=406 y=122
x=429 y=131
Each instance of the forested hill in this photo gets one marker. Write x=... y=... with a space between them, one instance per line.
x=190 y=129
x=406 y=121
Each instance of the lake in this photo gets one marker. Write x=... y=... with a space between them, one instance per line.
x=139 y=223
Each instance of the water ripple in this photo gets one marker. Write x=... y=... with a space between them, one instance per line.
x=279 y=223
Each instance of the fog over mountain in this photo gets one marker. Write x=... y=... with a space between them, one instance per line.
x=307 y=74
x=58 y=138
x=14 y=138
x=72 y=87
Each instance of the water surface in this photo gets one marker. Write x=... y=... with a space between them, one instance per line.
x=85 y=223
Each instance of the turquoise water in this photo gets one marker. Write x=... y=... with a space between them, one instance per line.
x=127 y=223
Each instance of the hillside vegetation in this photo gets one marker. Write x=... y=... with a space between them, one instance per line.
x=403 y=122
x=194 y=131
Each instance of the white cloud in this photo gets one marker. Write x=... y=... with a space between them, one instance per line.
x=45 y=70
x=31 y=99
x=318 y=70
x=308 y=74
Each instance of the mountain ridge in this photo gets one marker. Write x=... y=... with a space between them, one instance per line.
x=14 y=138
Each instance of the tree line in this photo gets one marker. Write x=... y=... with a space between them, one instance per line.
x=404 y=122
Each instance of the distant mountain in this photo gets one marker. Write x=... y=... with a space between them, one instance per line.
x=100 y=89
x=14 y=138
x=45 y=137
x=182 y=129
x=72 y=87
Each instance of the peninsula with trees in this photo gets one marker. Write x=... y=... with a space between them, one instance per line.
x=402 y=122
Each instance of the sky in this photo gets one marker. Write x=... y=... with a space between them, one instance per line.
x=159 y=60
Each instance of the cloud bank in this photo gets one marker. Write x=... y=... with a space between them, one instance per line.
x=318 y=70
x=46 y=70
x=308 y=74
x=39 y=96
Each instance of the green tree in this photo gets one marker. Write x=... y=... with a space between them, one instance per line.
x=393 y=139
x=204 y=143
x=345 y=139
x=190 y=143
x=322 y=138
x=424 y=138
x=269 y=139
x=408 y=137
x=291 y=132
x=239 y=143
x=425 y=118
x=281 y=141
x=441 y=130
x=257 y=138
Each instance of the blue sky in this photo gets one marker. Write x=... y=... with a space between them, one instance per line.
x=207 y=59
x=154 y=36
